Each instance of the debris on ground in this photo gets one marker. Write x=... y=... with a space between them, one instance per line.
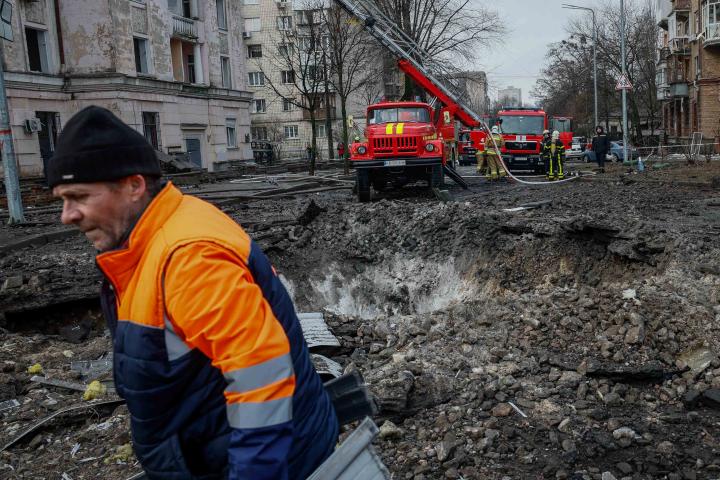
x=577 y=339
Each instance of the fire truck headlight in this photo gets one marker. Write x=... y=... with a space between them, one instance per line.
x=362 y=150
x=430 y=147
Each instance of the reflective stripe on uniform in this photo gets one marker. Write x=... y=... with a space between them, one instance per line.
x=176 y=348
x=258 y=415
x=251 y=378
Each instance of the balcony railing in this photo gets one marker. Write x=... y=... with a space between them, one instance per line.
x=712 y=35
x=681 y=5
x=680 y=45
x=184 y=27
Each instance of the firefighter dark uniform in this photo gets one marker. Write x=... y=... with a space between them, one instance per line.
x=543 y=155
x=494 y=166
x=554 y=151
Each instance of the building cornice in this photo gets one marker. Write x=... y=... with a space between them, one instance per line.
x=111 y=82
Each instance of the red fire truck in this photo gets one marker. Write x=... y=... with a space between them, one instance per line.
x=522 y=129
x=564 y=126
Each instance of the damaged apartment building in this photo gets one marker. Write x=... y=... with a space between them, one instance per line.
x=172 y=69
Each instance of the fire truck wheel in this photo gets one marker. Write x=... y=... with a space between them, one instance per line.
x=363 y=185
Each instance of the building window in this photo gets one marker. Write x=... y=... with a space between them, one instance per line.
x=141 y=55
x=320 y=130
x=37 y=49
x=231 y=133
x=226 y=72
x=256 y=79
x=286 y=50
x=190 y=70
x=284 y=23
x=258 y=106
x=151 y=127
x=221 y=14
x=254 y=51
x=250 y=2
x=291 y=132
x=259 y=133
x=287 y=105
x=187 y=8
x=288 y=76
x=253 y=24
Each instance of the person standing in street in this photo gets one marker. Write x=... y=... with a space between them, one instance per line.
x=208 y=349
x=600 y=145
x=546 y=139
x=495 y=170
x=555 y=152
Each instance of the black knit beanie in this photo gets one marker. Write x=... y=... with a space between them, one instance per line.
x=96 y=146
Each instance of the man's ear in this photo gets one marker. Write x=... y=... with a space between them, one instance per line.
x=136 y=187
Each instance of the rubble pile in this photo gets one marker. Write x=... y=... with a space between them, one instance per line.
x=516 y=333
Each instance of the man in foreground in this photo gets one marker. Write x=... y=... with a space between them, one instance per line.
x=208 y=351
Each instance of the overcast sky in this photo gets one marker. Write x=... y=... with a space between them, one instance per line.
x=531 y=26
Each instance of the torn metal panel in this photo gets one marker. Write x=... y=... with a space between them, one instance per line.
x=316 y=331
x=326 y=367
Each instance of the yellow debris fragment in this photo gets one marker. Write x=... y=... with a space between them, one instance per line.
x=123 y=453
x=35 y=369
x=94 y=390
x=68 y=353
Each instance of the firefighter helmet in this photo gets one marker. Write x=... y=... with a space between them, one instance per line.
x=546 y=132
x=555 y=135
x=495 y=130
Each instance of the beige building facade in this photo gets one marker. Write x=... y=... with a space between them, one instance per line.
x=688 y=78
x=172 y=69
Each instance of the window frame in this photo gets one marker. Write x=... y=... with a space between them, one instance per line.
x=281 y=22
x=42 y=38
x=156 y=125
x=257 y=76
x=148 y=64
x=224 y=25
x=255 y=130
x=256 y=102
x=295 y=128
x=250 y=22
x=250 y=50
x=231 y=132
x=226 y=75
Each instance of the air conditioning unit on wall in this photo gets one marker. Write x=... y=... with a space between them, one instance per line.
x=32 y=125
x=247 y=35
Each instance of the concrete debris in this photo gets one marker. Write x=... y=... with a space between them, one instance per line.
x=8 y=404
x=595 y=319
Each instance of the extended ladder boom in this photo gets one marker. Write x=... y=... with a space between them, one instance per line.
x=435 y=77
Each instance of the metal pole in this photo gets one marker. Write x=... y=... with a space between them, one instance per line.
x=624 y=73
x=12 y=184
x=597 y=122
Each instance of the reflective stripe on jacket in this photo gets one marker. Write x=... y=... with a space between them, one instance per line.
x=208 y=351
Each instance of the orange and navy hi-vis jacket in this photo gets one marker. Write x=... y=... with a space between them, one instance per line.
x=208 y=351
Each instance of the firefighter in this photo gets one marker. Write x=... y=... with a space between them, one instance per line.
x=555 y=152
x=547 y=138
x=495 y=170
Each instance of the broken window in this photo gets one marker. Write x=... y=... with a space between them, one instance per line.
x=230 y=129
x=291 y=131
x=258 y=106
x=37 y=49
x=254 y=51
x=288 y=76
x=151 y=128
x=141 y=55
x=256 y=79
x=226 y=72
x=259 y=133
x=221 y=14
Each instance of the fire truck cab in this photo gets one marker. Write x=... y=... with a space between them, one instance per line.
x=522 y=129
x=403 y=143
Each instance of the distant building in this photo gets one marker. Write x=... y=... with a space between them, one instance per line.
x=510 y=97
x=688 y=68
x=474 y=87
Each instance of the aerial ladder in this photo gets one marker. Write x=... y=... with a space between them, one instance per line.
x=437 y=78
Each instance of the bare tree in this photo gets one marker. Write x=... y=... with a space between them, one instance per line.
x=276 y=137
x=567 y=80
x=451 y=30
x=299 y=58
x=354 y=66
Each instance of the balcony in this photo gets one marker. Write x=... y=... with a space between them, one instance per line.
x=680 y=45
x=711 y=35
x=184 y=28
x=679 y=90
x=663 y=92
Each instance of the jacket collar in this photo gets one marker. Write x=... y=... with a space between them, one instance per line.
x=119 y=265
